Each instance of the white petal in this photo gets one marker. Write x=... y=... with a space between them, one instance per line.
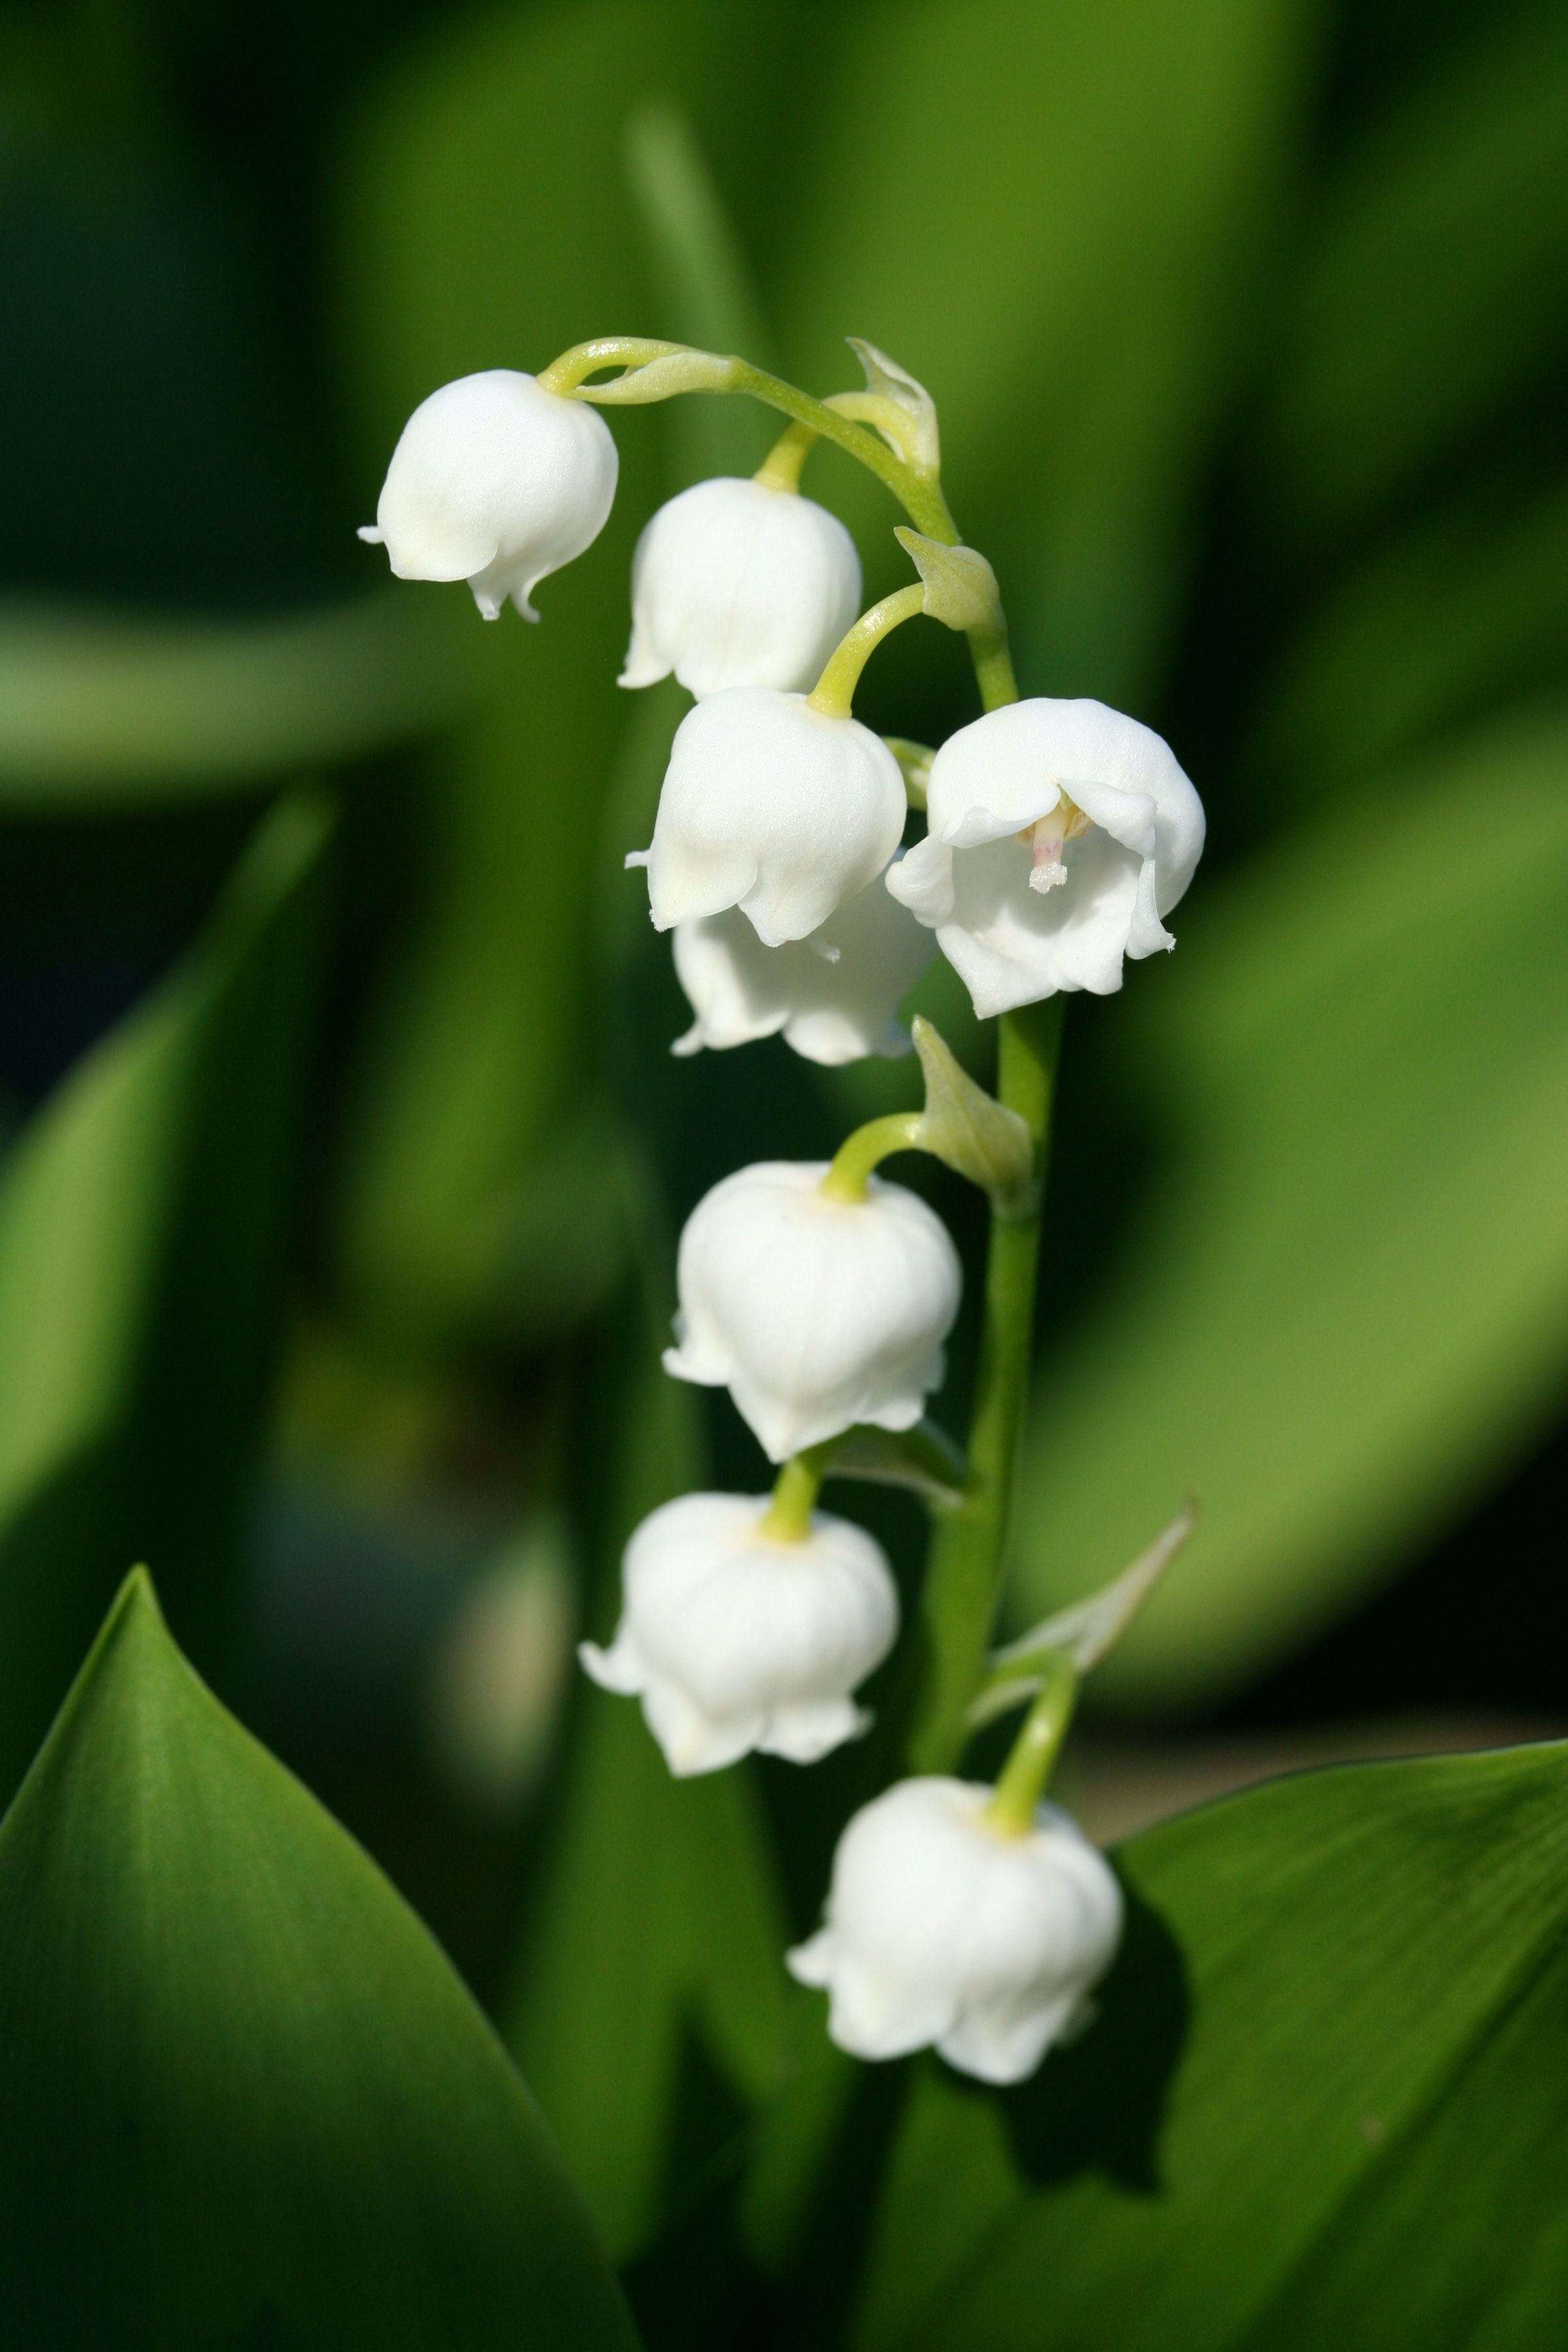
x=804 y=1734
x=817 y=1313
x=831 y=1009
x=1002 y=2046
x=737 y=584
x=775 y=808
x=693 y=1742
x=922 y=881
x=738 y=1640
x=617 y=1669
x=1012 y=945
x=940 y=1929
x=496 y=482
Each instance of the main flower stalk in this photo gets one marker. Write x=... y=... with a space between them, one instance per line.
x=964 y=1580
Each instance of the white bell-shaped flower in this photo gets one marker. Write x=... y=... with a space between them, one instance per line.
x=736 y=583
x=815 y=1313
x=941 y=1928
x=735 y=1639
x=771 y=806
x=834 y=996
x=1058 y=834
x=497 y=482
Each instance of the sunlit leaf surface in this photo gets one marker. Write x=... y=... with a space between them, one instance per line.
x=1347 y=1294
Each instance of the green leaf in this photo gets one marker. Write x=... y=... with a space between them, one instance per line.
x=703 y=292
x=1437 y=627
x=1324 y=2103
x=1344 y=1303
x=1053 y=217
x=96 y=712
x=1433 y=295
x=142 y=1228
x=247 y=2101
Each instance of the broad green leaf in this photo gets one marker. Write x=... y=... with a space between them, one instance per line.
x=1324 y=2102
x=1344 y=1303
x=702 y=290
x=1433 y=292
x=1438 y=625
x=247 y=2101
x=141 y=1236
x=1052 y=217
x=95 y=712
x=658 y=1932
x=487 y=222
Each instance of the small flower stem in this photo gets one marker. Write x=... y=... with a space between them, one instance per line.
x=779 y=470
x=851 y=1166
x=834 y=692
x=964 y=1580
x=992 y=667
x=787 y=1518
x=1022 y=1782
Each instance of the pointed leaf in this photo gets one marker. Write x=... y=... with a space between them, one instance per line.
x=247 y=2101
x=142 y=1227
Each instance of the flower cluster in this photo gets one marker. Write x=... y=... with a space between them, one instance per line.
x=1059 y=836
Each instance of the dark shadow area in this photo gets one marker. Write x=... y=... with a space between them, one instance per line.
x=1482 y=1622
x=695 y=2286
x=1099 y=2104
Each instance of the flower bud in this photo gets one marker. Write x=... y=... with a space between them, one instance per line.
x=1058 y=835
x=735 y=1639
x=815 y=1313
x=943 y=1929
x=834 y=995
x=498 y=482
x=734 y=583
x=774 y=807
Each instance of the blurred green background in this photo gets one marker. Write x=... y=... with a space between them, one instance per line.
x=345 y=1155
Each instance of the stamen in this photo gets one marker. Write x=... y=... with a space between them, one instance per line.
x=1047 y=838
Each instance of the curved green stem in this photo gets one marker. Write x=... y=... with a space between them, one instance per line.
x=833 y=693
x=779 y=470
x=963 y=1580
x=1023 y=1779
x=850 y=1171
x=795 y=1490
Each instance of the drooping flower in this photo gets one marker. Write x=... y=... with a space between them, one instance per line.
x=815 y=1313
x=834 y=995
x=772 y=807
x=1059 y=835
x=735 y=1639
x=498 y=482
x=944 y=1929
x=736 y=584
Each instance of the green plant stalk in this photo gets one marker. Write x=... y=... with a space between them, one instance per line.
x=963 y=1583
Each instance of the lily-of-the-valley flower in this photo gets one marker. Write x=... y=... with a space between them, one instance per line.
x=1059 y=836
x=815 y=1313
x=738 y=583
x=736 y=1639
x=498 y=482
x=943 y=1929
x=834 y=996
x=772 y=807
